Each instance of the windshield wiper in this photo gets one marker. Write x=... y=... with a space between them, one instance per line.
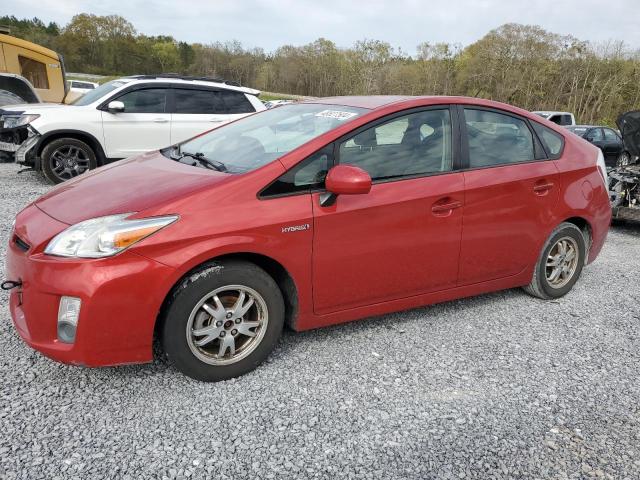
x=200 y=158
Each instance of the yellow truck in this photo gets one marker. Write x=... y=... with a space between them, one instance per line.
x=42 y=67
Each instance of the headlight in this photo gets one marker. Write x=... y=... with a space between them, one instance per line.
x=104 y=236
x=19 y=121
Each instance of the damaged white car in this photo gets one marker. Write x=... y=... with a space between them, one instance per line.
x=119 y=119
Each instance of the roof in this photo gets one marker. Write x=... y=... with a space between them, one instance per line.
x=18 y=42
x=171 y=78
x=371 y=101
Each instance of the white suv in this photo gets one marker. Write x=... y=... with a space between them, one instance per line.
x=119 y=119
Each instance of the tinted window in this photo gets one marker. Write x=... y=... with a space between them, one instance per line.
x=565 y=120
x=594 y=135
x=152 y=100
x=552 y=141
x=497 y=139
x=415 y=144
x=198 y=101
x=34 y=71
x=610 y=135
x=307 y=175
x=236 y=102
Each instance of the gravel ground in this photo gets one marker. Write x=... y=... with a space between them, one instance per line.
x=498 y=386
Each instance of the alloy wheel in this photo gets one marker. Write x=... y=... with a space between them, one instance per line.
x=562 y=262
x=69 y=161
x=227 y=324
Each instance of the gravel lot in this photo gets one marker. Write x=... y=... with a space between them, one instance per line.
x=499 y=386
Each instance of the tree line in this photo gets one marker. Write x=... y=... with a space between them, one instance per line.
x=523 y=65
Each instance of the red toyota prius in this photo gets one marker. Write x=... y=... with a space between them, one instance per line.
x=308 y=215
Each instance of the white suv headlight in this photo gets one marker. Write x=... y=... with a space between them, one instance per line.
x=19 y=121
x=104 y=236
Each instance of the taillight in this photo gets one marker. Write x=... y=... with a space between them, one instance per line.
x=603 y=169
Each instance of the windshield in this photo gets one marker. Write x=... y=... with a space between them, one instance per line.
x=256 y=140
x=99 y=92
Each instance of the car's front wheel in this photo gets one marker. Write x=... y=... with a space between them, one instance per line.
x=222 y=321
x=560 y=263
x=66 y=158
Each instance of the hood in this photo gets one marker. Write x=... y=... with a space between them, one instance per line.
x=31 y=108
x=131 y=185
x=629 y=126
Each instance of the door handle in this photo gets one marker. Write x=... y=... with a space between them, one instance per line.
x=542 y=188
x=216 y=120
x=160 y=120
x=445 y=207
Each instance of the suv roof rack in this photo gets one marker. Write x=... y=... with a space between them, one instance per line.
x=186 y=77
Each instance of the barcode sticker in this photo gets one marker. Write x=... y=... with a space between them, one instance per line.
x=336 y=114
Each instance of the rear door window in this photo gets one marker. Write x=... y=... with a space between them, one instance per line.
x=611 y=136
x=198 y=102
x=497 y=139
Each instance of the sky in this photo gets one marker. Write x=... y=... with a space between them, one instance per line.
x=403 y=23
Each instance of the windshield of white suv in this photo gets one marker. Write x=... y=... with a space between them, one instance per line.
x=258 y=139
x=99 y=92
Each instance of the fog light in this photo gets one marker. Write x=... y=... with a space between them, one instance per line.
x=68 y=314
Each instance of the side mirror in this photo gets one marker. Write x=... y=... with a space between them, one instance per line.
x=345 y=180
x=115 y=106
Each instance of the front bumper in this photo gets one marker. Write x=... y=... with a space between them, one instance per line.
x=18 y=142
x=121 y=297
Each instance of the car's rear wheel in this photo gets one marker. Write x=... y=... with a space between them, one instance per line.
x=222 y=321
x=560 y=263
x=66 y=158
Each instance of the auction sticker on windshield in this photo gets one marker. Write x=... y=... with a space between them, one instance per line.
x=337 y=114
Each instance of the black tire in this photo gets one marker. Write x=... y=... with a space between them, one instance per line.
x=185 y=299
x=540 y=285
x=58 y=167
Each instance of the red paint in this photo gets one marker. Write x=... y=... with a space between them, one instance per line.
x=401 y=245
x=348 y=180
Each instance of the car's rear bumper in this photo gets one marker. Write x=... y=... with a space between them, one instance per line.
x=119 y=301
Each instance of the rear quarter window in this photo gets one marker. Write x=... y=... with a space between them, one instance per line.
x=236 y=102
x=552 y=141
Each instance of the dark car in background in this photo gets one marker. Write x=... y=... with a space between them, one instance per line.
x=606 y=139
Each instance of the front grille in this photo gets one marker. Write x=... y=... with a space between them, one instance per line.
x=21 y=244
